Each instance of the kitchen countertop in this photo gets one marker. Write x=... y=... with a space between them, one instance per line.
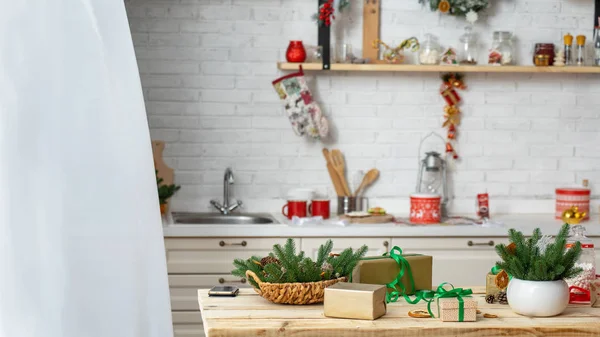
x=523 y=222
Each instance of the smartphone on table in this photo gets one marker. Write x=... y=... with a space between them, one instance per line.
x=227 y=291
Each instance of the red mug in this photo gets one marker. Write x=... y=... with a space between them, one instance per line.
x=319 y=208
x=294 y=208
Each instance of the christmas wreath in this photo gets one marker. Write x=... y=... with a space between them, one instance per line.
x=467 y=8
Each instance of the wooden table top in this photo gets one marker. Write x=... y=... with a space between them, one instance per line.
x=251 y=315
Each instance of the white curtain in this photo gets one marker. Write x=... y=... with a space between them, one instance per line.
x=81 y=249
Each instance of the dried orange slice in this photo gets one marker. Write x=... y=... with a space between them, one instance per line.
x=511 y=248
x=501 y=280
x=419 y=314
x=490 y=316
x=444 y=6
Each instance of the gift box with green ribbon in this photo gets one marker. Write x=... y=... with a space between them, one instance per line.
x=403 y=273
x=453 y=304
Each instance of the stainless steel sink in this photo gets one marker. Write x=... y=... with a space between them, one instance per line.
x=219 y=219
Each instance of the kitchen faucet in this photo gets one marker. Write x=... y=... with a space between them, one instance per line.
x=226 y=208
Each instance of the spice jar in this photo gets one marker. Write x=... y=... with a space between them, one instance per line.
x=430 y=50
x=580 y=53
x=502 y=52
x=543 y=51
x=467 y=53
x=568 y=40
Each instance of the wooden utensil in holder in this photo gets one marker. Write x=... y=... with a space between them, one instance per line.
x=339 y=164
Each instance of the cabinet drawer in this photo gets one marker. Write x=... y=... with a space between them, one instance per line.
x=184 y=288
x=214 y=255
x=464 y=262
x=186 y=317
x=377 y=246
x=188 y=330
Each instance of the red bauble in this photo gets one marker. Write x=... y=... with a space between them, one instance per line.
x=449 y=148
x=451 y=134
x=295 y=52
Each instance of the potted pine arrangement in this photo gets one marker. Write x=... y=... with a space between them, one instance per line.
x=538 y=266
x=287 y=277
x=165 y=192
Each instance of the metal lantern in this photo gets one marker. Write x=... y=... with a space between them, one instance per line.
x=432 y=176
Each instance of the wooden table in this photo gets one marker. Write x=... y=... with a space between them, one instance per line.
x=250 y=315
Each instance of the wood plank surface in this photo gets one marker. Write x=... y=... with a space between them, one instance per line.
x=441 y=68
x=250 y=315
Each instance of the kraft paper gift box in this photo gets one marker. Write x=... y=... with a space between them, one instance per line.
x=448 y=309
x=490 y=285
x=355 y=301
x=595 y=293
x=383 y=270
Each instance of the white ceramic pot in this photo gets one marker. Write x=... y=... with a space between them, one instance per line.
x=538 y=298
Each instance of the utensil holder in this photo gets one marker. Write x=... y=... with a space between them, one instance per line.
x=351 y=204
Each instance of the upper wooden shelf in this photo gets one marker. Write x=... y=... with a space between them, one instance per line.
x=440 y=68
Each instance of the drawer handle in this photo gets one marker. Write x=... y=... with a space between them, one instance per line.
x=243 y=244
x=386 y=244
x=222 y=280
x=471 y=243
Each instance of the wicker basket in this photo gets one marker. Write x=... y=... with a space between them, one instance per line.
x=293 y=293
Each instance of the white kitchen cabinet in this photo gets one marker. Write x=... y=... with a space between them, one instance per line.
x=184 y=288
x=188 y=330
x=377 y=246
x=214 y=255
x=464 y=262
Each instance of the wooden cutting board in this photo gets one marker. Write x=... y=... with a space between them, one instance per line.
x=371 y=219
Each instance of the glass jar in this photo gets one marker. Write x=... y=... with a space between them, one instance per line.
x=502 y=52
x=467 y=53
x=542 y=49
x=430 y=50
x=295 y=52
x=579 y=286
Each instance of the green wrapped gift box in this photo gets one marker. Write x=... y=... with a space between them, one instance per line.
x=384 y=269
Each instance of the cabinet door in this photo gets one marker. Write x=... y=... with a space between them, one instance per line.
x=215 y=255
x=188 y=330
x=377 y=246
x=464 y=262
x=184 y=288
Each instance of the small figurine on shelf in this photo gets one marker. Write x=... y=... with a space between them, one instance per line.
x=449 y=57
x=396 y=55
x=559 y=58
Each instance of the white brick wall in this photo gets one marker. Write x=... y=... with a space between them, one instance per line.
x=207 y=67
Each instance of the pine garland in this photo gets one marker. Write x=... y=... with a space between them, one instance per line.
x=530 y=261
x=291 y=267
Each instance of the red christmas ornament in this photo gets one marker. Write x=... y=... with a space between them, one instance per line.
x=449 y=148
x=451 y=134
x=295 y=52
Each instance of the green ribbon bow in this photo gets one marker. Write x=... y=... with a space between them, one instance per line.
x=421 y=295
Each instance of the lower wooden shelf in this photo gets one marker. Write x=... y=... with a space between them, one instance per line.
x=440 y=68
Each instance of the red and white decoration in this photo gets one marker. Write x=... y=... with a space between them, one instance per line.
x=572 y=196
x=425 y=209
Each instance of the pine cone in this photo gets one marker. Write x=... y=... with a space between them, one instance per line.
x=490 y=298
x=268 y=259
x=501 y=298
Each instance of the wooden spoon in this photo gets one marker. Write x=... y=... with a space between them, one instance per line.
x=335 y=178
x=368 y=179
x=337 y=159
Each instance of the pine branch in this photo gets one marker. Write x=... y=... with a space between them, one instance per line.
x=324 y=251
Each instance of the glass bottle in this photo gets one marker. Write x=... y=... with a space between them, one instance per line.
x=430 y=50
x=502 y=52
x=597 y=46
x=579 y=286
x=568 y=40
x=467 y=53
x=580 y=53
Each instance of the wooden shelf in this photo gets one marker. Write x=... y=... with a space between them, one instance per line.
x=440 y=68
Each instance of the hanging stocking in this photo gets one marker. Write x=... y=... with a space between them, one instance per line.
x=303 y=112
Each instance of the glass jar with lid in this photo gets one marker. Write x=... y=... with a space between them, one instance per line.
x=430 y=50
x=502 y=52
x=467 y=53
x=579 y=286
